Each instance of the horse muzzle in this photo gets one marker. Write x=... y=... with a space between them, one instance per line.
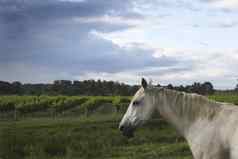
x=127 y=131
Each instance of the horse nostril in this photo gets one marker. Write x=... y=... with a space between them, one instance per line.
x=121 y=128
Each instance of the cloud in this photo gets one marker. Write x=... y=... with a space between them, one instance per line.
x=176 y=41
x=96 y=55
x=34 y=28
x=112 y=20
x=228 y=24
x=56 y=40
x=20 y=18
x=172 y=4
x=223 y=4
x=53 y=9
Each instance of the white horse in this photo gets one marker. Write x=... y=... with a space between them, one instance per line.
x=209 y=127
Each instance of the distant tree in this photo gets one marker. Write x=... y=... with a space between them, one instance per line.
x=207 y=88
x=170 y=86
x=181 y=88
x=5 y=88
x=196 y=87
x=17 y=87
x=236 y=88
x=63 y=82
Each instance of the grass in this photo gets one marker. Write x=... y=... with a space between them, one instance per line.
x=225 y=98
x=87 y=138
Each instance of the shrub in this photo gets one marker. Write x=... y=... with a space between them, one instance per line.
x=121 y=103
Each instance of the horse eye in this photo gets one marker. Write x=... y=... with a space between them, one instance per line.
x=136 y=103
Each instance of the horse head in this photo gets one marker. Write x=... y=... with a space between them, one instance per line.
x=138 y=112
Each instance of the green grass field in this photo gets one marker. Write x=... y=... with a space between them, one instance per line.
x=88 y=138
x=74 y=134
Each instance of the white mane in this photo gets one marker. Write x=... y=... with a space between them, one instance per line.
x=186 y=105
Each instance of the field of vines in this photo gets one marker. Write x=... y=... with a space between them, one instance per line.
x=20 y=106
x=15 y=106
x=88 y=134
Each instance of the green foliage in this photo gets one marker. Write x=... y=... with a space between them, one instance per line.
x=6 y=105
x=229 y=98
x=121 y=103
x=95 y=102
x=64 y=103
x=24 y=105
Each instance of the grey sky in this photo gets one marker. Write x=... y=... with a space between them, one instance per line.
x=176 y=41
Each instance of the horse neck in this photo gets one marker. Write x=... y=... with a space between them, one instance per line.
x=182 y=109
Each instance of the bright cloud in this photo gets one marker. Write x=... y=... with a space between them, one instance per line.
x=226 y=4
x=109 y=20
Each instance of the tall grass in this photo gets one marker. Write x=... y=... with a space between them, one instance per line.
x=95 y=137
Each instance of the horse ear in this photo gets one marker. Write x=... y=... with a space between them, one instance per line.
x=144 y=83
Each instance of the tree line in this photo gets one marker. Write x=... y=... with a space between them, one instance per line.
x=91 y=88
x=205 y=88
x=70 y=88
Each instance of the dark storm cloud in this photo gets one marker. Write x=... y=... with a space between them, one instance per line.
x=47 y=9
x=46 y=34
x=23 y=21
x=17 y=16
